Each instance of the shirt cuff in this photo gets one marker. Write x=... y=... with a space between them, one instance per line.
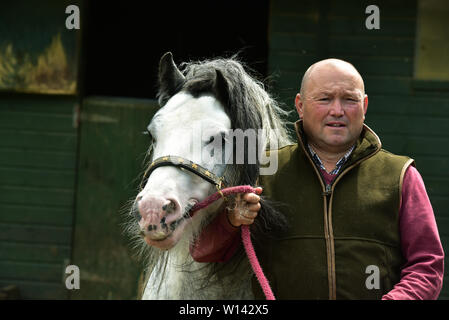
x=226 y=224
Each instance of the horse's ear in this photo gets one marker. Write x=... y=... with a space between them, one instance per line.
x=221 y=88
x=170 y=78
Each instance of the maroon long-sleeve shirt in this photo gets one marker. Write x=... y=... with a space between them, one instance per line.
x=421 y=275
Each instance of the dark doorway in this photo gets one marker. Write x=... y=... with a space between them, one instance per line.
x=123 y=41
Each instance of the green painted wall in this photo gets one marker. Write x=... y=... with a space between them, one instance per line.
x=410 y=117
x=37 y=189
x=111 y=158
x=38 y=146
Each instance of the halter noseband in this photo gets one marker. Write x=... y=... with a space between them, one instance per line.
x=191 y=166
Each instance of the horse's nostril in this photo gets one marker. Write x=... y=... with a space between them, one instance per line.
x=169 y=206
x=135 y=211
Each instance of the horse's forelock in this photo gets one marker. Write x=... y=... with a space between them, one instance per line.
x=244 y=103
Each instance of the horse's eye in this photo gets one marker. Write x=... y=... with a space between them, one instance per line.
x=217 y=138
x=150 y=136
x=223 y=136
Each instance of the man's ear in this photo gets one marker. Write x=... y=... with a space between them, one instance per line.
x=299 y=105
x=365 y=105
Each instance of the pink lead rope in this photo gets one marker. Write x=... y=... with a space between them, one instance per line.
x=246 y=235
x=251 y=253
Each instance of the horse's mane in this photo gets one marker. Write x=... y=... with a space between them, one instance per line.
x=249 y=106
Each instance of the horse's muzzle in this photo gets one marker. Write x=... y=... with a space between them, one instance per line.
x=157 y=216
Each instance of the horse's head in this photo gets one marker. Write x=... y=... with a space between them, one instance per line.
x=185 y=127
x=200 y=108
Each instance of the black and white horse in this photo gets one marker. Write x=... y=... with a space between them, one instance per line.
x=205 y=110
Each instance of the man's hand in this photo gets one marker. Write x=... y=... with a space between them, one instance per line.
x=246 y=208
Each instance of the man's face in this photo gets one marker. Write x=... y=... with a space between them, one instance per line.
x=333 y=107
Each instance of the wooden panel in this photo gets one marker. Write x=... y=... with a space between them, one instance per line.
x=36 y=215
x=25 y=252
x=433 y=106
x=388 y=9
x=403 y=124
x=356 y=26
x=290 y=61
x=381 y=66
x=376 y=85
x=296 y=42
x=445 y=241
x=293 y=23
x=367 y=66
x=37 y=158
x=413 y=145
x=440 y=205
x=38 y=290
x=33 y=103
x=37 y=140
x=15 y=176
x=434 y=186
x=443 y=225
x=387 y=85
x=37 y=183
x=111 y=128
x=36 y=121
x=40 y=271
x=432 y=166
x=371 y=46
x=35 y=234
x=289 y=81
x=289 y=7
x=36 y=196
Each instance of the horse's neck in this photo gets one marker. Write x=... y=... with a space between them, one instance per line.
x=184 y=279
x=169 y=277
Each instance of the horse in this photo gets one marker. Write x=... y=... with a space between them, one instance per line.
x=202 y=104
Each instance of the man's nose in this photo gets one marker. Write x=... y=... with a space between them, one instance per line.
x=336 y=108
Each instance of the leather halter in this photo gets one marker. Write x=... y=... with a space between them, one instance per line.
x=191 y=166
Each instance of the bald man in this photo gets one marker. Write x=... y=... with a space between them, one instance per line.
x=361 y=225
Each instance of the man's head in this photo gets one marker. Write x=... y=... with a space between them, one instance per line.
x=332 y=104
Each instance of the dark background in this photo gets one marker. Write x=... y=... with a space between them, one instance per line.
x=124 y=41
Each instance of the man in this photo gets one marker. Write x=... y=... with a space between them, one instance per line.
x=361 y=225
